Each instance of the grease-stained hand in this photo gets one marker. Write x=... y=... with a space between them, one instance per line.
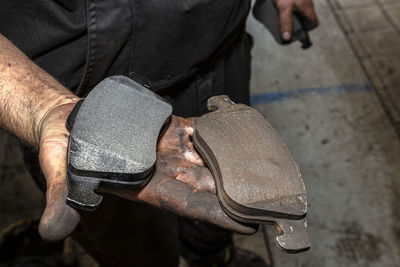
x=286 y=9
x=181 y=183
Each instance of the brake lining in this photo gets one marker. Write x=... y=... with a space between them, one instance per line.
x=256 y=177
x=113 y=139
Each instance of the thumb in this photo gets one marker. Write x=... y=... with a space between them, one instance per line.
x=58 y=219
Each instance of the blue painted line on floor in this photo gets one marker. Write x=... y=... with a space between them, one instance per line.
x=271 y=97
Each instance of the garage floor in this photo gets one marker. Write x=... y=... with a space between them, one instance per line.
x=337 y=105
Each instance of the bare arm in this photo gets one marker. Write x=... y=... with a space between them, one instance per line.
x=27 y=93
x=34 y=107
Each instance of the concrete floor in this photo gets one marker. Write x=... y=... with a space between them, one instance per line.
x=336 y=105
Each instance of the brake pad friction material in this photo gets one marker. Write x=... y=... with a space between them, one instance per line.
x=113 y=142
x=256 y=177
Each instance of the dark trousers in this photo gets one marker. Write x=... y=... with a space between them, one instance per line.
x=122 y=233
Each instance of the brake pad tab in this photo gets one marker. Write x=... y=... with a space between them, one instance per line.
x=113 y=140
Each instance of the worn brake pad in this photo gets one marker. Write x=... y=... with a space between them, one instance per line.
x=256 y=177
x=113 y=140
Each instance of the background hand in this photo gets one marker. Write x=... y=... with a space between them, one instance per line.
x=286 y=9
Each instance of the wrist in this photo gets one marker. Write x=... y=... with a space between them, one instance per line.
x=64 y=103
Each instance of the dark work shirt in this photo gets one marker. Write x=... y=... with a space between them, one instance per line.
x=81 y=42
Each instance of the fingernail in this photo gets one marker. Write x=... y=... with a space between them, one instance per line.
x=286 y=36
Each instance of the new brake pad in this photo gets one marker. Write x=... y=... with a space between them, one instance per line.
x=113 y=140
x=256 y=177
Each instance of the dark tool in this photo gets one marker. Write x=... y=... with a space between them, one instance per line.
x=266 y=12
x=113 y=140
x=256 y=177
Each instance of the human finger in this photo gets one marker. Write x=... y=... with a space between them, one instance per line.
x=308 y=11
x=285 y=19
x=196 y=204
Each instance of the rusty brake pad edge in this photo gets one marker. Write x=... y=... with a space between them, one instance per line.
x=256 y=177
x=113 y=140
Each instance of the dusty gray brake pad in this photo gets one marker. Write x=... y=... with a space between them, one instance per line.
x=256 y=177
x=113 y=141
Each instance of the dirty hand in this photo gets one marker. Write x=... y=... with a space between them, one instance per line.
x=287 y=7
x=58 y=219
x=181 y=183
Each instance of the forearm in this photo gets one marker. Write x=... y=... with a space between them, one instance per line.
x=27 y=93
